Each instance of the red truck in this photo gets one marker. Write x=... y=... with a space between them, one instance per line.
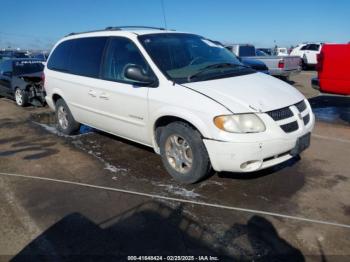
x=333 y=68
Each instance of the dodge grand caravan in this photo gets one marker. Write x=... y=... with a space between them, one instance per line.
x=182 y=94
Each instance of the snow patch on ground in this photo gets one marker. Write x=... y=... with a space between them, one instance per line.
x=53 y=130
x=180 y=191
x=79 y=144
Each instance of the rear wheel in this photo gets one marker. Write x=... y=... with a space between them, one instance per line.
x=65 y=121
x=304 y=64
x=183 y=153
x=21 y=97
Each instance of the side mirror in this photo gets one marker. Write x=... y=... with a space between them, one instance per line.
x=135 y=73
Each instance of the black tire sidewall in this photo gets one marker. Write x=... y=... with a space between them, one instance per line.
x=200 y=164
x=73 y=126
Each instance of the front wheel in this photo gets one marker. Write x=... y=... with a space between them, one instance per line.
x=183 y=153
x=21 y=97
x=65 y=121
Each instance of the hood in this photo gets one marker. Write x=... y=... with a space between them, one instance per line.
x=255 y=92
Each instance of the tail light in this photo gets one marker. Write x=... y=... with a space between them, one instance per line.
x=43 y=80
x=281 y=64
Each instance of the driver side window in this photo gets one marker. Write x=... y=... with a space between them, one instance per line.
x=121 y=53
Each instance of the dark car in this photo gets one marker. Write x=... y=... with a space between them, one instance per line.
x=22 y=79
x=9 y=54
x=255 y=64
x=40 y=56
x=267 y=51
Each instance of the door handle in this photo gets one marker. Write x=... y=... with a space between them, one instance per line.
x=92 y=93
x=104 y=96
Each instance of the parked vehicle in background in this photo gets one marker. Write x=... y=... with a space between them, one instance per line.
x=255 y=64
x=267 y=51
x=42 y=56
x=179 y=93
x=281 y=51
x=281 y=66
x=9 y=54
x=333 y=69
x=22 y=79
x=308 y=53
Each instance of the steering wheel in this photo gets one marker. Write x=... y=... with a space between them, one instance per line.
x=196 y=59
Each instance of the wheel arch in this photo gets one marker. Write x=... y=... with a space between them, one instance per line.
x=163 y=120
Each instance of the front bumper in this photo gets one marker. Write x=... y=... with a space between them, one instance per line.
x=255 y=155
x=315 y=83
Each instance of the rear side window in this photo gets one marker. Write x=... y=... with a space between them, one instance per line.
x=59 y=59
x=313 y=47
x=79 y=56
x=86 y=57
x=305 y=47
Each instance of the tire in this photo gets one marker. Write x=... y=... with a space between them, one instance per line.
x=304 y=65
x=65 y=121
x=21 y=97
x=190 y=171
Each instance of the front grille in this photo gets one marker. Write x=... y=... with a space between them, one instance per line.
x=290 y=127
x=301 y=106
x=280 y=114
x=287 y=113
x=306 y=119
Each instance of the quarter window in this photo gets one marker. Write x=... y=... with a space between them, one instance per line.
x=313 y=47
x=86 y=57
x=59 y=59
x=79 y=56
x=122 y=52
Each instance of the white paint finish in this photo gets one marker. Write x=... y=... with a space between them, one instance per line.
x=131 y=112
x=309 y=56
x=260 y=91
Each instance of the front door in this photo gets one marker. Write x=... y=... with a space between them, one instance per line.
x=122 y=102
x=5 y=77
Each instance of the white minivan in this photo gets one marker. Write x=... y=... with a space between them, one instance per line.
x=179 y=93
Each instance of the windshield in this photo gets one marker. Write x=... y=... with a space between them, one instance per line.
x=27 y=67
x=182 y=56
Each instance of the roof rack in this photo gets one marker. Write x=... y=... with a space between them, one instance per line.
x=117 y=28
x=133 y=26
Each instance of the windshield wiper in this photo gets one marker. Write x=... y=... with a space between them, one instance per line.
x=214 y=66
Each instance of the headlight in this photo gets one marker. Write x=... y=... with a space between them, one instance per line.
x=240 y=123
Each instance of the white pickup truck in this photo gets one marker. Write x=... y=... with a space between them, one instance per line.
x=281 y=66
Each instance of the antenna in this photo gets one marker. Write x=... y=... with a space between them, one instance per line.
x=163 y=10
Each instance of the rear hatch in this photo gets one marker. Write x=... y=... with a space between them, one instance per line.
x=291 y=62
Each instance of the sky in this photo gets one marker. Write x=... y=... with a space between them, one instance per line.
x=38 y=24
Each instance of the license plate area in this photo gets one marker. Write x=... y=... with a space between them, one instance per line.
x=302 y=143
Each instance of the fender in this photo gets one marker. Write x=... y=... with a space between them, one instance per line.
x=184 y=114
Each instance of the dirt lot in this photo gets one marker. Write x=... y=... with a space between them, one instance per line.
x=96 y=194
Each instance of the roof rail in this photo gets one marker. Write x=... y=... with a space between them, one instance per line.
x=133 y=26
x=85 y=32
x=117 y=28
